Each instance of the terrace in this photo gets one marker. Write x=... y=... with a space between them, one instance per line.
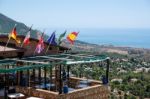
x=49 y=77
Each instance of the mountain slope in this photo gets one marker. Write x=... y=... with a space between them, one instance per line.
x=6 y=25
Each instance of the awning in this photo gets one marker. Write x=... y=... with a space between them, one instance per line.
x=47 y=61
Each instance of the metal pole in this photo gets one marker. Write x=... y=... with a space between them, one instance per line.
x=45 y=77
x=21 y=78
x=26 y=35
x=9 y=38
x=5 y=88
x=49 y=44
x=39 y=75
x=107 y=69
x=28 y=78
x=50 y=77
x=60 y=80
x=80 y=75
x=68 y=68
x=41 y=37
x=33 y=74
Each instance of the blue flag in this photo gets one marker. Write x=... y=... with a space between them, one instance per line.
x=51 y=39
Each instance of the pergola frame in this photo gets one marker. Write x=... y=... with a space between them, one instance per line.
x=45 y=61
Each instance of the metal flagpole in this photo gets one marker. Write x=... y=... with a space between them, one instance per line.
x=48 y=47
x=40 y=38
x=9 y=38
x=27 y=34
x=29 y=83
x=72 y=45
x=49 y=43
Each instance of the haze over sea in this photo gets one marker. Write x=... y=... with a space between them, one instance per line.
x=138 y=38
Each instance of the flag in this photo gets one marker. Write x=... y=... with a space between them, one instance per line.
x=40 y=45
x=38 y=35
x=72 y=37
x=60 y=37
x=52 y=39
x=27 y=38
x=13 y=35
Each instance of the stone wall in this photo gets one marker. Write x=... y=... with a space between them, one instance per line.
x=28 y=91
x=92 y=92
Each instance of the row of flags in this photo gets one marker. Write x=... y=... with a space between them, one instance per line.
x=71 y=37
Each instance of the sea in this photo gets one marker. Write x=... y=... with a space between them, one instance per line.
x=138 y=38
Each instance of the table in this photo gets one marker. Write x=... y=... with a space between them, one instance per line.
x=70 y=89
x=34 y=98
x=85 y=82
x=45 y=86
x=16 y=95
x=82 y=86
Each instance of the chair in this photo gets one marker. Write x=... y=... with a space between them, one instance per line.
x=12 y=91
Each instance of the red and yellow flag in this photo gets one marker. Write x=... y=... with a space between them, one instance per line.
x=72 y=37
x=13 y=35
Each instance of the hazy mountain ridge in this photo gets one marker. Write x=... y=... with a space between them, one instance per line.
x=6 y=25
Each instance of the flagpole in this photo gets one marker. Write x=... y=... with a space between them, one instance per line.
x=38 y=42
x=59 y=41
x=9 y=38
x=72 y=45
x=49 y=45
x=26 y=35
x=34 y=52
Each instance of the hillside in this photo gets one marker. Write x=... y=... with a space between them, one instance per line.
x=6 y=25
x=81 y=46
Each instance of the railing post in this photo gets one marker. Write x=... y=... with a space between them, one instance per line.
x=39 y=75
x=28 y=78
x=107 y=69
x=60 y=80
x=45 y=72
x=51 y=74
x=68 y=68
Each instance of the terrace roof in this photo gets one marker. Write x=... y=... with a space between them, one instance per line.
x=47 y=61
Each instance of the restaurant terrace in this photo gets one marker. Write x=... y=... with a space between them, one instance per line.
x=50 y=77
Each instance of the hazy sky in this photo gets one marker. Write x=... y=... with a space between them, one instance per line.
x=79 y=13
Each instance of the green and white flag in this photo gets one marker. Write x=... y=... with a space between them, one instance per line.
x=61 y=37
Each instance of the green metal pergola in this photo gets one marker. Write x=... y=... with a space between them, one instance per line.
x=14 y=65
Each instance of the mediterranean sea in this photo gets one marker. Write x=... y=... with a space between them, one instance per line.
x=139 y=38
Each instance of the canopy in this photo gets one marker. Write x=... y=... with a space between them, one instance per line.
x=11 y=65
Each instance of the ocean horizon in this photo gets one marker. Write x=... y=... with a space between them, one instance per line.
x=138 y=38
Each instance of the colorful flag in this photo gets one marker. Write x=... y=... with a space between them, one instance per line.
x=38 y=35
x=27 y=38
x=60 y=37
x=40 y=45
x=13 y=35
x=52 y=39
x=72 y=37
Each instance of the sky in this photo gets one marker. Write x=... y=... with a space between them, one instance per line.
x=79 y=13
